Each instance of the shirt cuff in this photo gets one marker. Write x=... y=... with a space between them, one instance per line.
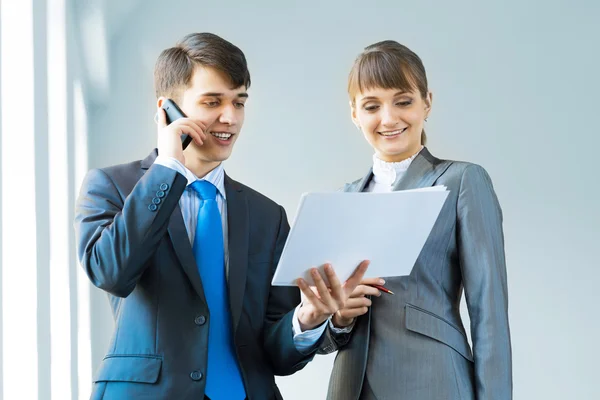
x=306 y=341
x=337 y=330
x=172 y=163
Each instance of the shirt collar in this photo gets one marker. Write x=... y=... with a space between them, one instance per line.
x=386 y=172
x=216 y=177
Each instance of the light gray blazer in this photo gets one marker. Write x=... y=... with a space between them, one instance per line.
x=413 y=345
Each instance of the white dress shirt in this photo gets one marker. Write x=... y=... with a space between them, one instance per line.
x=190 y=204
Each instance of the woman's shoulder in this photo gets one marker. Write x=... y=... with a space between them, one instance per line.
x=462 y=172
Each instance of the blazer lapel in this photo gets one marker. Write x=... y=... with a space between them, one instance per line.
x=183 y=250
x=422 y=172
x=238 y=224
x=180 y=239
x=359 y=186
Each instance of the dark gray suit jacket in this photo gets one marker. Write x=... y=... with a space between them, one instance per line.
x=413 y=346
x=132 y=243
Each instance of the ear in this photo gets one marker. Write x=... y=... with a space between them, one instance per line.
x=428 y=104
x=353 y=114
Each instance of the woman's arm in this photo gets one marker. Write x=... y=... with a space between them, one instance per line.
x=483 y=266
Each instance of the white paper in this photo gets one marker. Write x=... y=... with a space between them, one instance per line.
x=342 y=229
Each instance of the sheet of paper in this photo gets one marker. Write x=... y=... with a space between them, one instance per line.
x=389 y=229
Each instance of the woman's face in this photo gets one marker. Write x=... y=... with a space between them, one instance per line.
x=392 y=121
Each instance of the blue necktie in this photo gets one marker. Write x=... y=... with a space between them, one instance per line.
x=223 y=377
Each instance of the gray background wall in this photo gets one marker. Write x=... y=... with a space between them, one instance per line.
x=515 y=89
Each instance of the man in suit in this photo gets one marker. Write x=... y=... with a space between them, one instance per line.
x=413 y=345
x=186 y=254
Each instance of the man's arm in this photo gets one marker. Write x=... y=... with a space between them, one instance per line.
x=335 y=338
x=279 y=336
x=115 y=237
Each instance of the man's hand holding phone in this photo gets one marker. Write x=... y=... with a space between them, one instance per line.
x=169 y=136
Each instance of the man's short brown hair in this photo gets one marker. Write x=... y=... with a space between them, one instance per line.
x=175 y=66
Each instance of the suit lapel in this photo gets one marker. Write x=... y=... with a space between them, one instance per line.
x=422 y=172
x=238 y=226
x=180 y=239
x=183 y=250
x=359 y=185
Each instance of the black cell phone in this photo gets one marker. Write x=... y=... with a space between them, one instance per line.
x=174 y=112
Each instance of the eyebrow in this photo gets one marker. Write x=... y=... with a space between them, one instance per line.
x=375 y=98
x=214 y=94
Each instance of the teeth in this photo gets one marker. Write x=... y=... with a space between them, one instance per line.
x=220 y=135
x=392 y=133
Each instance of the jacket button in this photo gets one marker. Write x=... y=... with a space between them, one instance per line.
x=196 y=375
x=160 y=194
x=156 y=200
x=200 y=320
x=152 y=207
x=164 y=186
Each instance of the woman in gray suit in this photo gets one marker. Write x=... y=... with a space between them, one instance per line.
x=413 y=345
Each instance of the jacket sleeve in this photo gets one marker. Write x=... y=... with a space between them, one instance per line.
x=483 y=267
x=279 y=336
x=116 y=236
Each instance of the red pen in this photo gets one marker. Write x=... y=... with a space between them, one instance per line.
x=383 y=289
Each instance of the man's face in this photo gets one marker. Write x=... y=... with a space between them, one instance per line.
x=211 y=100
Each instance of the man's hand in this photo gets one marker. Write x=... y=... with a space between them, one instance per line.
x=169 y=136
x=357 y=304
x=320 y=302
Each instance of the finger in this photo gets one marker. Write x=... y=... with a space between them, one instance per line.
x=161 y=117
x=188 y=130
x=321 y=287
x=358 y=302
x=354 y=312
x=356 y=276
x=200 y=127
x=188 y=123
x=307 y=292
x=373 y=281
x=365 y=290
x=334 y=283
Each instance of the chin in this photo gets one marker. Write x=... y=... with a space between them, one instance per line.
x=221 y=157
x=393 y=152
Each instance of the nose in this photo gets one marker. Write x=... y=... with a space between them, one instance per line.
x=228 y=116
x=388 y=118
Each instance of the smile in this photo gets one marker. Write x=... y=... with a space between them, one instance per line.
x=222 y=135
x=393 y=133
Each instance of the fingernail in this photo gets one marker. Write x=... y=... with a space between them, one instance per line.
x=314 y=272
x=382 y=281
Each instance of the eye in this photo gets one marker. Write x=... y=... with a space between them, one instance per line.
x=405 y=103
x=240 y=105
x=211 y=103
x=371 y=107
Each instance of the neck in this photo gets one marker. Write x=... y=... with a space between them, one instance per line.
x=394 y=158
x=200 y=167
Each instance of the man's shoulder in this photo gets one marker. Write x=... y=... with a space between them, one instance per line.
x=123 y=169
x=121 y=177
x=129 y=170
x=255 y=198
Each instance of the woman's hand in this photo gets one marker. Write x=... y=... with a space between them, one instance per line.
x=357 y=304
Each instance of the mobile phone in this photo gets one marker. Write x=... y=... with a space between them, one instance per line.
x=173 y=112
